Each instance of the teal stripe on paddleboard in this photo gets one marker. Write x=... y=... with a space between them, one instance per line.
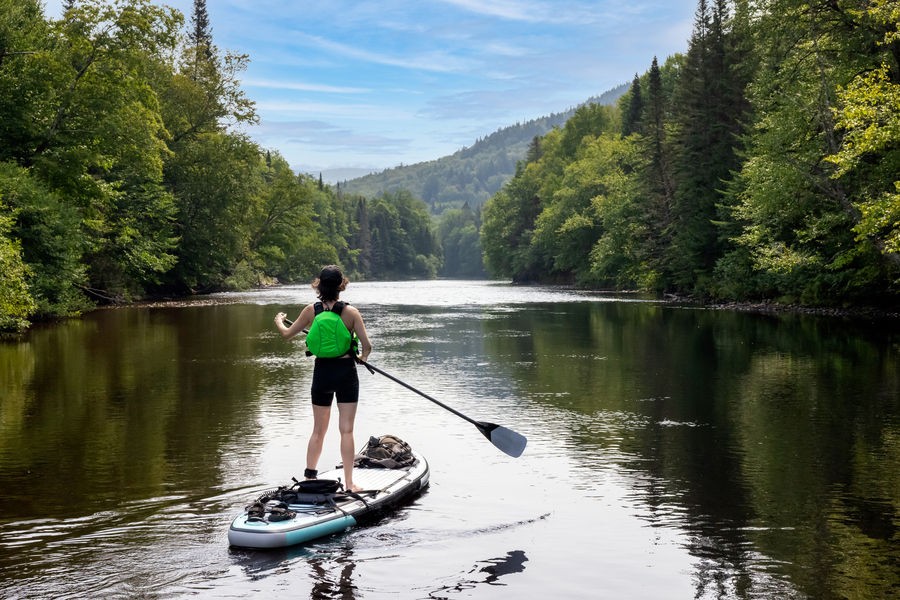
x=316 y=531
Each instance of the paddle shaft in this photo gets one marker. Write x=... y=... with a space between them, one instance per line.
x=424 y=395
x=371 y=368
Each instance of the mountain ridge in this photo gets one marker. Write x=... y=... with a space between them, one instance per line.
x=472 y=174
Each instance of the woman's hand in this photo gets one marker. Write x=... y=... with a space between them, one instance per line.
x=303 y=322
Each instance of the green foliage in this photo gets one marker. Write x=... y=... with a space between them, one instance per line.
x=705 y=140
x=619 y=256
x=810 y=231
x=201 y=31
x=404 y=243
x=543 y=225
x=460 y=240
x=48 y=233
x=203 y=94
x=311 y=251
x=870 y=116
x=509 y=222
x=278 y=221
x=16 y=303
x=762 y=163
x=631 y=120
x=80 y=112
x=212 y=177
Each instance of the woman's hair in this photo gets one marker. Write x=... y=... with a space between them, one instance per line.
x=330 y=283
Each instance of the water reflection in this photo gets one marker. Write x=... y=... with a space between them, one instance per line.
x=484 y=572
x=258 y=565
x=765 y=448
x=743 y=430
x=328 y=585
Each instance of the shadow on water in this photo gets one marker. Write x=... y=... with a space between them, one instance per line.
x=486 y=572
x=333 y=576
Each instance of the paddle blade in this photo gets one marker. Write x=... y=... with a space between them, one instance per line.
x=506 y=440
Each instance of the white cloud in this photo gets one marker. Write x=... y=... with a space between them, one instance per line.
x=306 y=87
x=516 y=11
x=538 y=12
x=506 y=50
x=431 y=61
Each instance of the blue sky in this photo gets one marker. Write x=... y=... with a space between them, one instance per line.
x=379 y=83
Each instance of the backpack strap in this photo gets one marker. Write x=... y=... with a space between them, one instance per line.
x=318 y=307
x=338 y=308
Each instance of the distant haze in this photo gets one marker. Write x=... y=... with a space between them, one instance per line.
x=332 y=176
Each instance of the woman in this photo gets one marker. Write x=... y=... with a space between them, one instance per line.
x=332 y=376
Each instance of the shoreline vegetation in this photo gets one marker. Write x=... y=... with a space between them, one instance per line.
x=758 y=169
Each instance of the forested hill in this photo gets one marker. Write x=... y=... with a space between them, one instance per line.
x=471 y=174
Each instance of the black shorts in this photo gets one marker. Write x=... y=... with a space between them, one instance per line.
x=334 y=376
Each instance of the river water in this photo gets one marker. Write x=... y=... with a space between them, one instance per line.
x=674 y=452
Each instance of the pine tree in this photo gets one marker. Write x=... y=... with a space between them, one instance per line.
x=364 y=238
x=201 y=31
x=656 y=175
x=321 y=183
x=631 y=122
x=534 y=150
x=708 y=122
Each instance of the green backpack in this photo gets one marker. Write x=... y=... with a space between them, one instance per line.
x=328 y=336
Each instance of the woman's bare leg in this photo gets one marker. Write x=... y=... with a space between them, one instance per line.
x=321 y=417
x=346 y=417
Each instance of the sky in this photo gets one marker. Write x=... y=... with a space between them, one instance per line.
x=376 y=84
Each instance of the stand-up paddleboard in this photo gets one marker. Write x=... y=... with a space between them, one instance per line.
x=284 y=517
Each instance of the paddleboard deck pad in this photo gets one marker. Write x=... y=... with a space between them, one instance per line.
x=271 y=522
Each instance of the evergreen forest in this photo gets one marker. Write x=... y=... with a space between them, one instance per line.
x=763 y=163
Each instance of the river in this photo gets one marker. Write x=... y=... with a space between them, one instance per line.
x=674 y=452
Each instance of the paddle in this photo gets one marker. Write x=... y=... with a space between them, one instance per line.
x=506 y=440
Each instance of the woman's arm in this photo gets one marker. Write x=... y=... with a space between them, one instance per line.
x=303 y=322
x=359 y=328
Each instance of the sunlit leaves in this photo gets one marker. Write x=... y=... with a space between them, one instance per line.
x=871 y=117
x=16 y=303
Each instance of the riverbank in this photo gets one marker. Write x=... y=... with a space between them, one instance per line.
x=771 y=306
